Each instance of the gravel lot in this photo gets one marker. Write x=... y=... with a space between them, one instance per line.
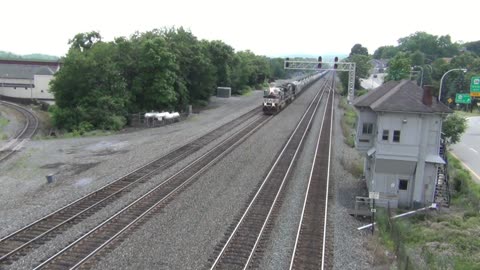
x=184 y=233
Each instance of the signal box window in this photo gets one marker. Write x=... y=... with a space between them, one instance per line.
x=385 y=134
x=367 y=128
x=396 y=135
x=403 y=184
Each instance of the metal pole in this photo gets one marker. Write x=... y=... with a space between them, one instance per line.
x=373 y=217
x=441 y=80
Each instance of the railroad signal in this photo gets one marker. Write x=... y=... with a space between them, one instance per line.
x=319 y=62
x=335 y=60
x=286 y=62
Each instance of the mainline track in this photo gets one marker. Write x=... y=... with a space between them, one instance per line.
x=310 y=244
x=104 y=234
x=238 y=250
x=30 y=128
x=33 y=235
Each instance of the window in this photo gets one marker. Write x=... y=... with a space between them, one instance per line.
x=385 y=134
x=396 y=135
x=367 y=128
x=403 y=184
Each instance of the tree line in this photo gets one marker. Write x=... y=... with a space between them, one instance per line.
x=100 y=83
x=419 y=53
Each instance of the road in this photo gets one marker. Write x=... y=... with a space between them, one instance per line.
x=468 y=149
x=372 y=82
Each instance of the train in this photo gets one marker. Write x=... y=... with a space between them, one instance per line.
x=277 y=97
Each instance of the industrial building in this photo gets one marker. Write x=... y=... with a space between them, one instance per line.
x=26 y=81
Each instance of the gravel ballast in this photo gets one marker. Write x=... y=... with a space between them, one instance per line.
x=183 y=234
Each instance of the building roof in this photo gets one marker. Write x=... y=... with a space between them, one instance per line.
x=23 y=71
x=399 y=96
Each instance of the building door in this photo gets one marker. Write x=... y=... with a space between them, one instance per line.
x=404 y=193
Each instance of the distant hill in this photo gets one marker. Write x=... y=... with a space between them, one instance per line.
x=33 y=57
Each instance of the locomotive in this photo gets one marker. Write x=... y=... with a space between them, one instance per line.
x=278 y=97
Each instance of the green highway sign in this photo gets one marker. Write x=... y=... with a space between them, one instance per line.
x=475 y=86
x=463 y=98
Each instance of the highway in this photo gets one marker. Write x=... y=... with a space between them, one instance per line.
x=468 y=149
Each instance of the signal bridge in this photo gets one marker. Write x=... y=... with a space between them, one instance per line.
x=317 y=65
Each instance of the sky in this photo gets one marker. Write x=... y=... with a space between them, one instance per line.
x=271 y=28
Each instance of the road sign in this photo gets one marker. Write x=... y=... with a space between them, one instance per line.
x=450 y=100
x=374 y=195
x=463 y=98
x=373 y=210
x=475 y=86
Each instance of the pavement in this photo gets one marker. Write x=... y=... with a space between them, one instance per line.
x=468 y=149
x=372 y=82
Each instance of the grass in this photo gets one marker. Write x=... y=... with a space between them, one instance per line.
x=348 y=122
x=247 y=92
x=468 y=114
x=3 y=123
x=76 y=134
x=446 y=239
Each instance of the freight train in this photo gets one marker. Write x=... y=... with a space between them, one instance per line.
x=278 y=97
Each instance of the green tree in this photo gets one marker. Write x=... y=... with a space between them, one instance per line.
x=399 y=68
x=417 y=58
x=385 y=52
x=84 y=41
x=432 y=46
x=89 y=90
x=363 y=65
x=358 y=49
x=453 y=127
x=222 y=57
x=473 y=47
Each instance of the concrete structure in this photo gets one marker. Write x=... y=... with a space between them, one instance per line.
x=224 y=92
x=26 y=80
x=399 y=132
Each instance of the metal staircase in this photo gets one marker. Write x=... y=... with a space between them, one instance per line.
x=442 y=189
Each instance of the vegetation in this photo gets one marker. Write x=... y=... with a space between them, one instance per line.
x=3 y=123
x=348 y=122
x=100 y=83
x=435 y=55
x=358 y=55
x=447 y=239
x=453 y=127
x=38 y=57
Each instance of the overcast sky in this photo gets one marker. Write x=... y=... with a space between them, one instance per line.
x=269 y=28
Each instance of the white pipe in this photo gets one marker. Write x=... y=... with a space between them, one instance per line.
x=433 y=206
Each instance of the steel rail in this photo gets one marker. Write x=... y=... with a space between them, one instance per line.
x=92 y=201
x=232 y=141
x=261 y=188
x=315 y=165
x=19 y=138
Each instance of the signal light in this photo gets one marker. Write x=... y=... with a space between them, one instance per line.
x=335 y=65
x=286 y=62
x=320 y=62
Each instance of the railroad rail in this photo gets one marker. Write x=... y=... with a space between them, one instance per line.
x=310 y=244
x=35 y=234
x=104 y=234
x=238 y=251
x=30 y=128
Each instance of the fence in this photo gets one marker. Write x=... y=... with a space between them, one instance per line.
x=404 y=259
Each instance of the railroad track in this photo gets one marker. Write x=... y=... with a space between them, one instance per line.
x=310 y=250
x=30 y=128
x=37 y=233
x=104 y=234
x=239 y=250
